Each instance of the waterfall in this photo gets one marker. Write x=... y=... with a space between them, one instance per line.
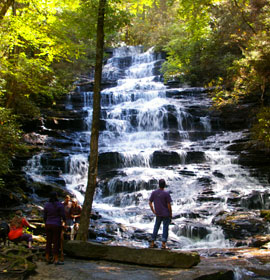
x=150 y=131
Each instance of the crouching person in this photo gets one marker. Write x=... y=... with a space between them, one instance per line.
x=16 y=233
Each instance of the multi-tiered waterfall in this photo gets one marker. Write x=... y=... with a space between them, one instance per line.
x=148 y=132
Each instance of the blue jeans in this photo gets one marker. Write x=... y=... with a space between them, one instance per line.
x=166 y=221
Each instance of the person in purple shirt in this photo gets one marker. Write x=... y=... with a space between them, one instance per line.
x=54 y=217
x=163 y=211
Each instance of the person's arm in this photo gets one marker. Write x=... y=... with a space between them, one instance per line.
x=80 y=211
x=152 y=207
x=25 y=222
x=63 y=214
x=170 y=209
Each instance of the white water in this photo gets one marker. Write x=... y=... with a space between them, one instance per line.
x=136 y=112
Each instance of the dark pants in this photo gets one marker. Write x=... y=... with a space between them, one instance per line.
x=166 y=221
x=53 y=234
x=24 y=237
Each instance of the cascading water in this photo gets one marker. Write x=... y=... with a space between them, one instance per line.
x=149 y=132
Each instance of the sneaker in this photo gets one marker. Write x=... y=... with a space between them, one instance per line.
x=59 y=263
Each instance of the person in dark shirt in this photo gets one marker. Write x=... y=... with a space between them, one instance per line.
x=54 y=217
x=163 y=211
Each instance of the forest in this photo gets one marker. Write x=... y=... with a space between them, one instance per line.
x=46 y=46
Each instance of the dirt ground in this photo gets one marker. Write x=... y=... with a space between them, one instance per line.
x=241 y=265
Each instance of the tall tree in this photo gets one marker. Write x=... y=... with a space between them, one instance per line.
x=93 y=159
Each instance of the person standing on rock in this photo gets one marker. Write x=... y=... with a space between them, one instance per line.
x=55 y=218
x=163 y=211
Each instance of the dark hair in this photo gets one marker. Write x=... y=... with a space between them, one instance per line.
x=162 y=183
x=53 y=197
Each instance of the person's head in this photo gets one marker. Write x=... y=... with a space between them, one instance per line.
x=18 y=213
x=74 y=202
x=53 y=197
x=67 y=198
x=162 y=183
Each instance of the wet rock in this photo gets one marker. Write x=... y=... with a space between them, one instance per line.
x=119 y=186
x=220 y=275
x=234 y=117
x=141 y=235
x=109 y=160
x=35 y=138
x=182 y=92
x=187 y=173
x=234 y=199
x=256 y=200
x=199 y=135
x=205 y=181
x=65 y=123
x=208 y=195
x=164 y=158
x=260 y=240
x=172 y=121
x=43 y=189
x=254 y=158
x=191 y=230
x=218 y=174
x=80 y=188
x=187 y=214
x=195 y=157
x=241 y=225
x=150 y=257
x=54 y=161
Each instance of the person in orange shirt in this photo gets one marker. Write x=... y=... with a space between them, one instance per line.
x=16 y=233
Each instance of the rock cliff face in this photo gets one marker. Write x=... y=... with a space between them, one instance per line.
x=149 y=131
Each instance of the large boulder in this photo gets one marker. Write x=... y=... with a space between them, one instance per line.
x=241 y=225
x=140 y=256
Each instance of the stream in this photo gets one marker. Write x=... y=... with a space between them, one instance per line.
x=148 y=131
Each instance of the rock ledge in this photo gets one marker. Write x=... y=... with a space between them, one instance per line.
x=140 y=256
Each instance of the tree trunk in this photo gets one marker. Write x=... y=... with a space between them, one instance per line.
x=93 y=158
x=5 y=8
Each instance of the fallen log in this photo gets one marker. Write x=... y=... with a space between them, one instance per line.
x=131 y=255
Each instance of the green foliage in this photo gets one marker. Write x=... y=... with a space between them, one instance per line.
x=265 y=214
x=247 y=79
x=150 y=23
x=35 y=35
x=221 y=96
x=10 y=139
x=261 y=129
